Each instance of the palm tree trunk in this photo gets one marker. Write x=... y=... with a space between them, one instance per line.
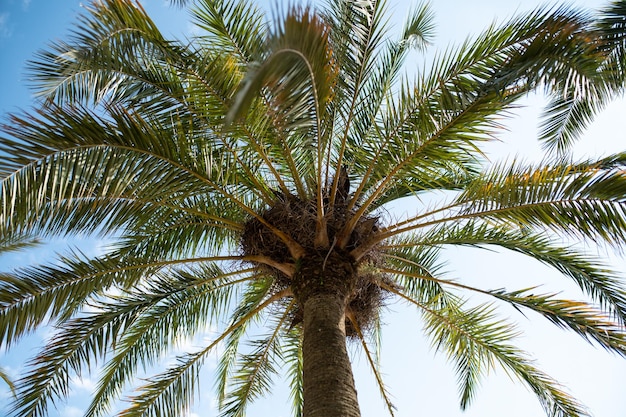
x=328 y=382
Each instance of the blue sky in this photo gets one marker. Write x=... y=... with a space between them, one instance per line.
x=420 y=380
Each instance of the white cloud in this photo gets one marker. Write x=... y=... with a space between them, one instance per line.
x=5 y=394
x=70 y=411
x=11 y=371
x=5 y=31
x=25 y=4
x=86 y=384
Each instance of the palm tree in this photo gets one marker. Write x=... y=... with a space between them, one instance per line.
x=244 y=179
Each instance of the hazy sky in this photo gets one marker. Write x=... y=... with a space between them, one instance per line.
x=421 y=382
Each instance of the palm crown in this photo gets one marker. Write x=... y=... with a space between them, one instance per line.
x=246 y=174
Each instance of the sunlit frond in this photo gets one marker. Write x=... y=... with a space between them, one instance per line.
x=582 y=201
x=475 y=341
x=250 y=300
x=170 y=392
x=375 y=368
x=236 y=27
x=583 y=318
x=293 y=359
x=193 y=300
x=255 y=369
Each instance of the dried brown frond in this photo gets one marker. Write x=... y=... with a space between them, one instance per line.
x=297 y=218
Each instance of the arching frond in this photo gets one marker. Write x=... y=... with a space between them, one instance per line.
x=590 y=274
x=170 y=392
x=250 y=300
x=256 y=369
x=174 y=315
x=236 y=27
x=586 y=89
x=110 y=32
x=293 y=359
x=475 y=340
x=580 y=201
x=375 y=369
x=585 y=319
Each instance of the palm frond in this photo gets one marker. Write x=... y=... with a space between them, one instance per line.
x=256 y=368
x=374 y=366
x=170 y=392
x=588 y=80
x=236 y=27
x=14 y=242
x=583 y=318
x=250 y=300
x=373 y=84
x=34 y=295
x=416 y=261
x=453 y=107
x=173 y=311
x=64 y=72
x=292 y=355
x=475 y=340
x=591 y=275
x=362 y=25
x=80 y=342
x=550 y=197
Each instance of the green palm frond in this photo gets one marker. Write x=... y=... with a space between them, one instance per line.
x=591 y=275
x=195 y=300
x=105 y=186
x=590 y=83
x=357 y=32
x=67 y=71
x=475 y=340
x=236 y=27
x=419 y=269
x=256 y=368
x=14 y=242
x=566 y=120
x=170 y=392
x=138 y=326
x=374 y=366
x=610 y=23
x=589 y=321
x=435 y=127
x=454 y=105
x=48 y=376
x=552 y=197
x=299 y=69
x=583 y=318
x=582 y=200
x=34 y=295
x=293 y=359
x=250 y=300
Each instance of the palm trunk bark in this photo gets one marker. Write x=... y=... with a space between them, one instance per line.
x=327 y=375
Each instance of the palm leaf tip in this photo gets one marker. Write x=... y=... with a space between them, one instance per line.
x=419 y=29
x=298 y=67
